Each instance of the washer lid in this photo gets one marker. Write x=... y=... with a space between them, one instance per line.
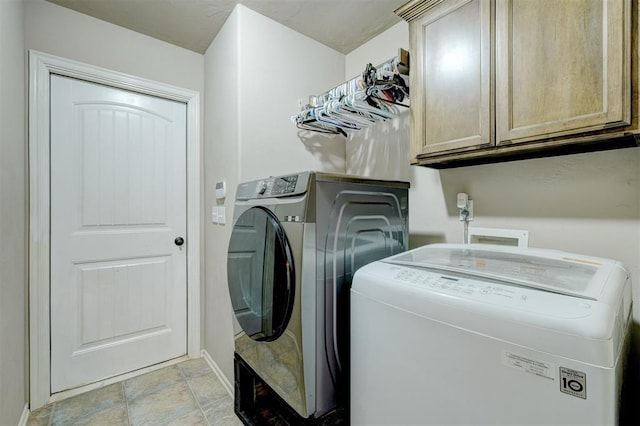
x=560 y=303
x=549 y=270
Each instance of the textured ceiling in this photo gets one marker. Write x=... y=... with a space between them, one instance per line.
x=340 y=24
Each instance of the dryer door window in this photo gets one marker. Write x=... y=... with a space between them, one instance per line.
x=260 y=274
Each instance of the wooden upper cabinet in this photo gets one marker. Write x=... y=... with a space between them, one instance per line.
x=451 y=102
x=512 y=78
x=560 y=68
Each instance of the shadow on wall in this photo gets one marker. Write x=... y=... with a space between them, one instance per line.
x=328 y=149
x=381 y=151
x=419 y=240
x=598 y=185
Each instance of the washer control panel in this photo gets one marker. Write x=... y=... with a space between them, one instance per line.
x=454 y=284
x=494 y=293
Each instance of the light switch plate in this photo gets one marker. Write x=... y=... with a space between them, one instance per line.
x=214 y=214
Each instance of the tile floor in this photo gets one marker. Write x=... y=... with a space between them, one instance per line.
x=188 y=393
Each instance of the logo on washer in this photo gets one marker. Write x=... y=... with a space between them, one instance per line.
x=573 y=382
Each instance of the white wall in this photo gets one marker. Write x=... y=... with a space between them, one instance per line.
x=13 y=183
x=256 y=70
x=382 y=150
x=221 y=155
x=278 y=66
x=63 y=32
x=585 y=203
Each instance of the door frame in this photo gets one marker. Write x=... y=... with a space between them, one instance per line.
x=41 y=66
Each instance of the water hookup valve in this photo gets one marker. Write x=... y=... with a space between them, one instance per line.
x=465 y=210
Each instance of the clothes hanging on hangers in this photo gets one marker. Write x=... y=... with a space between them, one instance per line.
x=360 y=102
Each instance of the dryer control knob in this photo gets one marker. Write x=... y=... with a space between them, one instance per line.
x=261 y=187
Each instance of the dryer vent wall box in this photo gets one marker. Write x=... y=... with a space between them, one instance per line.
x=483 y=334
x=502 y=237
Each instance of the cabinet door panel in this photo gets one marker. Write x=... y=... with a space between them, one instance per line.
x=562 y=67
x=451 y=103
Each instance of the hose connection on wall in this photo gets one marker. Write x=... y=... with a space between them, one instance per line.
x=465 y=213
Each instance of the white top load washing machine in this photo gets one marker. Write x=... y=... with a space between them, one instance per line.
x=477 y=334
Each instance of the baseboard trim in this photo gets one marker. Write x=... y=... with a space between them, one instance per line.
x=225 y=382
x=25 y=416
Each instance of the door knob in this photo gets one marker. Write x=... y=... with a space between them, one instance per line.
x=179 y=241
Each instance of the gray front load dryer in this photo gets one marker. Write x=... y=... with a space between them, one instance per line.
x=296 y=242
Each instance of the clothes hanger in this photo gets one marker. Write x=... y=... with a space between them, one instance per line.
x=358 y=103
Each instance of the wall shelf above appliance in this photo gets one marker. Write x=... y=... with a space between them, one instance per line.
x=377 y=94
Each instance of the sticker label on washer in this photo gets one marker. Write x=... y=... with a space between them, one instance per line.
x=536 y=367
x=573 y=382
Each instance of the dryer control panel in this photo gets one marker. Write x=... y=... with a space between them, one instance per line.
x=282 y=185
x=274 y=187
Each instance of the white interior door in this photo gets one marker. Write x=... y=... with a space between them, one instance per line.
x=118 y=202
